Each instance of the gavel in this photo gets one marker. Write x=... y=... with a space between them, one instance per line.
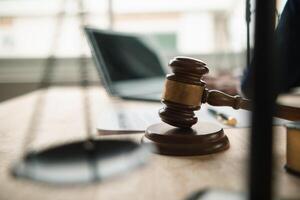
x=184 y=92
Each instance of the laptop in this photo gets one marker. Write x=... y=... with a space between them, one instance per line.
x=127 y=66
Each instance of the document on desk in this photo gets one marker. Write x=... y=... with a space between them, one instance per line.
x=129 y=119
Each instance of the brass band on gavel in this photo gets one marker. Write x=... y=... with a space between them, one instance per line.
x=182 y=93
x=293 y=148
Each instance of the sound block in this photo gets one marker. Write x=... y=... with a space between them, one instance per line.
x=202 y=139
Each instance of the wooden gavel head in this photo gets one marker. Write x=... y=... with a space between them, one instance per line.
x=183 y=92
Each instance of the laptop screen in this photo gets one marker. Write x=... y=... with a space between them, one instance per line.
x=125 y=57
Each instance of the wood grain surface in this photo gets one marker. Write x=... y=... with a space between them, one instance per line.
x=62 y=120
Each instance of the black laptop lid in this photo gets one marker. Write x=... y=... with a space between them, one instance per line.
x=123 y=57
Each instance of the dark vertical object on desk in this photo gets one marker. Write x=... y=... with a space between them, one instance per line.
x=260 y=177
x=248 y=20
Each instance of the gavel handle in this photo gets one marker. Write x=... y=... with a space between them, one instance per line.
x=218 y=98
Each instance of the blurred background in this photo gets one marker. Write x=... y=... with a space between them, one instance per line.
x=37 y=33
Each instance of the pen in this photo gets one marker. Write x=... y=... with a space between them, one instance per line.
x=223 y=118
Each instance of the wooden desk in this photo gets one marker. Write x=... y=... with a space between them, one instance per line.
x=164 y=178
